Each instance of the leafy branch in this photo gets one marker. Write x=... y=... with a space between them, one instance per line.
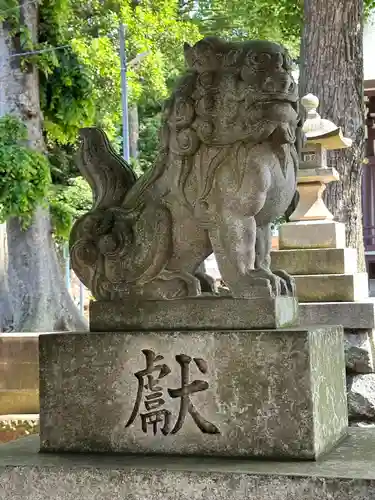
x=24 y=173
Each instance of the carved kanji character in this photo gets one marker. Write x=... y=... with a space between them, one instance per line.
x=154 y=400
x=155 y=418
x=186 y=390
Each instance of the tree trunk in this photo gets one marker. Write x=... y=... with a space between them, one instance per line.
x=5 y=306
x=39 y=299
x=332 y=69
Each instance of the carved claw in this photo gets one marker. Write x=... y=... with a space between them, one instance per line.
x=274 y=280
x=256 y=283
x=280 y=282
x=288 y=282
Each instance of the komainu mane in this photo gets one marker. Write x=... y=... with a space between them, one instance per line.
x=225 y=171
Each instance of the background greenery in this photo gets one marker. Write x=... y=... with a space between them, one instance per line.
x=80 y=83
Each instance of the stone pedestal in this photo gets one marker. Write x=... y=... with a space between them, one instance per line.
x=248 y=393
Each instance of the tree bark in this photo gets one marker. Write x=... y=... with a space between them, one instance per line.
x=332 y=69
x=5 y=306
x=38 y=295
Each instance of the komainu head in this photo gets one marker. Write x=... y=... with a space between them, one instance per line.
x=233 y=92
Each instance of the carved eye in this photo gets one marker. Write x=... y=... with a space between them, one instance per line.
x=260 y=59
x=206 y=79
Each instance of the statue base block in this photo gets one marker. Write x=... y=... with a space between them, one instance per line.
x=347 y=473
x=208 y=312
x=243 y=393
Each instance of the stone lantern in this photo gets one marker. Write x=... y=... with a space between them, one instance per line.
x=312 y=246
x=314 y=174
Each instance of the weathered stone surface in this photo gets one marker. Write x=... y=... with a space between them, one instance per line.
x=19 y=373
x=147 y=237
x=345 y=474
x=312 y=234
x=193 y=313
x=359 y=351
x=348 y=314
x=271 y=393
x=316 y=261
x=361 y=397
x=332 y=287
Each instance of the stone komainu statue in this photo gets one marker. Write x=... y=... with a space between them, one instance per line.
x=226 y=169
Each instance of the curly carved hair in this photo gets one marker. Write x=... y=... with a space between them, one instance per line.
x=222 y=77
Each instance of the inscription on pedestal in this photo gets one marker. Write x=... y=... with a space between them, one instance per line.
x=270 y=393
x=152 y=394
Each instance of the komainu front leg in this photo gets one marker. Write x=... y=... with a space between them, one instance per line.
x=263 y=260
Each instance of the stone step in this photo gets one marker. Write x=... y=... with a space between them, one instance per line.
x=351 y=315
x=312 y=234
x=332 y=287
x=316 y=261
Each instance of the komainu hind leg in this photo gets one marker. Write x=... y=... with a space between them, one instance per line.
x=233 y=241
x=243 y=254
x=286 y=283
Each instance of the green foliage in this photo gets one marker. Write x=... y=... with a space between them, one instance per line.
x=80 y=83
x=67 y=203
x=278 y=20
x=62 y=162
x=369 y=6
x=66 y=97
x=11 y=12
x=148 y=141
x=24 y=173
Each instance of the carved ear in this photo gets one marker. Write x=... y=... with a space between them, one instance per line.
x=188 y=53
